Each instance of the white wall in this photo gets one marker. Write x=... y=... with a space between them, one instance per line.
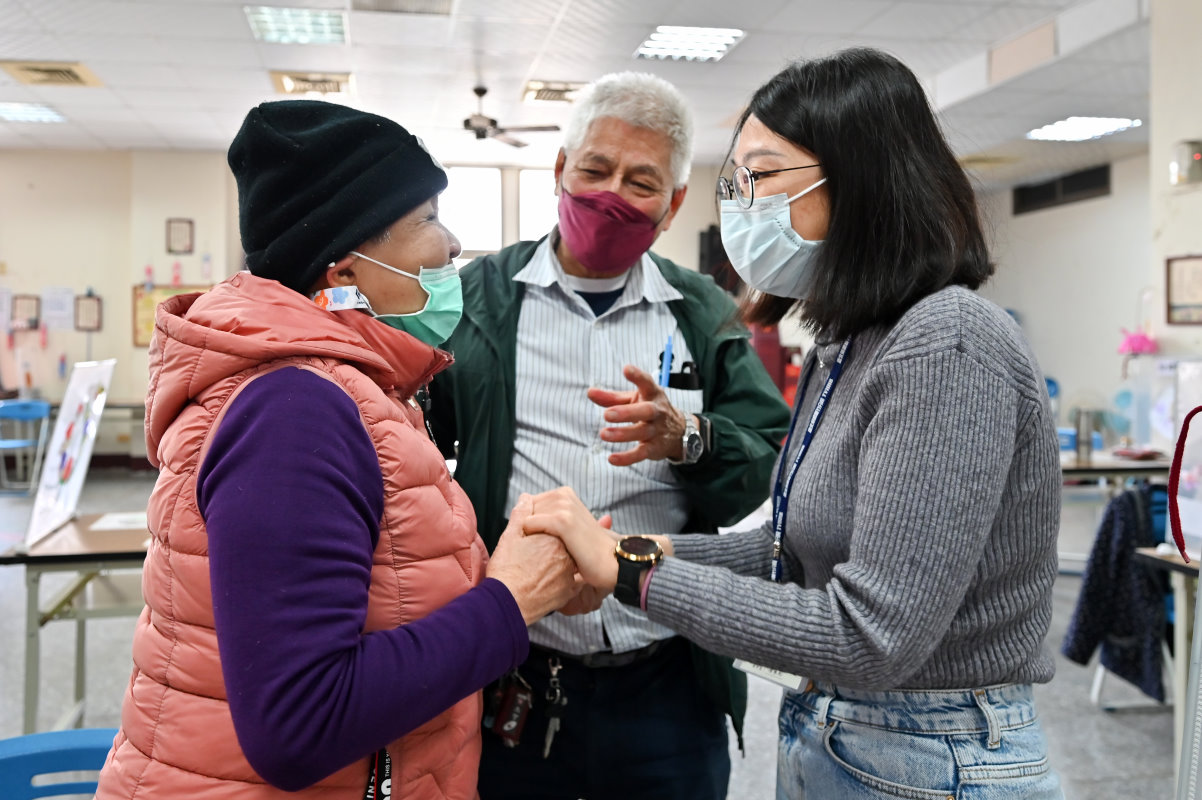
x=94 y=220
x=64 y=221
x=1176 y=115
x=682 y=242
x=1075 y=275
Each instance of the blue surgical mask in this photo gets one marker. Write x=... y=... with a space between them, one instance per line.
x=763 y=247
x=433 y=323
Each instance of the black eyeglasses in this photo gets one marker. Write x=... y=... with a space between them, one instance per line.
x=742 y=189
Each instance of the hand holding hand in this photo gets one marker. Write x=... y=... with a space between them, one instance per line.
x=587 y=600
x=560 y=513
x=536 y=569
x=650 y=420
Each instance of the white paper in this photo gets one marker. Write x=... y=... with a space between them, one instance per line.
x=6 y=310
x=58 y=308
x=120 y=521
x=785 y=679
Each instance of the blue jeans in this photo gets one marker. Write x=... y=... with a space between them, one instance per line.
x=982 y=744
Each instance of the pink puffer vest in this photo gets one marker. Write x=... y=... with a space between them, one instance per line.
x=177 y=737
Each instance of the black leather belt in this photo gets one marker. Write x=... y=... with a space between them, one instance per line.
x=608 y=658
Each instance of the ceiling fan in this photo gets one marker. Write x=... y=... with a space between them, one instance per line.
x=486 y=127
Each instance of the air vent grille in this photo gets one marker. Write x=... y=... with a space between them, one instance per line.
x=550 y=91
x=309 y=83
x=1081 y=185
x=51 y=73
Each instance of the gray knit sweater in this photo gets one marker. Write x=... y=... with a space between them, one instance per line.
x=920 y=548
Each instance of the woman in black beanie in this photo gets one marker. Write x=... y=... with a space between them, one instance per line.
x=320 y=618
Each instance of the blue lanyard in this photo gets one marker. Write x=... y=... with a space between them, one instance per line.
x=780 y=491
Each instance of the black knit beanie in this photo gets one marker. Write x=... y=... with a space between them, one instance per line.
x=316 y=180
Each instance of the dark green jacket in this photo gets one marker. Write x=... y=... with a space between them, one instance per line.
x=473 y=404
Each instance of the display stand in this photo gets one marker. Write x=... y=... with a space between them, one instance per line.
x=102 y=550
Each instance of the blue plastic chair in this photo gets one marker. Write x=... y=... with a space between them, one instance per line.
x=23 y=429
x=25 y=758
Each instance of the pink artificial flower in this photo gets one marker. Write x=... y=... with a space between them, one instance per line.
x=1136 y=343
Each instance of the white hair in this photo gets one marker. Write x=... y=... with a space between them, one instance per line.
x=642 y=100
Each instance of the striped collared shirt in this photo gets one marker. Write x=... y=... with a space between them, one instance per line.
x=562 y=350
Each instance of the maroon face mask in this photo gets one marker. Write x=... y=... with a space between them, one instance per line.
x=604 y=232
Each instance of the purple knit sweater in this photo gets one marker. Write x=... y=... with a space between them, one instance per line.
x=291 y=493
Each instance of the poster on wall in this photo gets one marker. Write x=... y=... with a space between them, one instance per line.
x=146 y=300
x=70 y=449
x=58 y=308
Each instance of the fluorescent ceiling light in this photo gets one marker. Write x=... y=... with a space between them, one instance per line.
x=29 y=112
x=689 y=44
x=296 y=25
x=1078 y=129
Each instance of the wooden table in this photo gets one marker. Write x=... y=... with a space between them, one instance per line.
x=1103 y=465
x=100 y=589
x=1184 y=579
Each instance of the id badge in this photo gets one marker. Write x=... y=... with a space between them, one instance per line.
x=785 y=679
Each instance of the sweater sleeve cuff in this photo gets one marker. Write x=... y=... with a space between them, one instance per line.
x=747 y=552
x=511 y=617
x=671 y=593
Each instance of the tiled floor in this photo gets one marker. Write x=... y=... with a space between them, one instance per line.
x=1099 y=755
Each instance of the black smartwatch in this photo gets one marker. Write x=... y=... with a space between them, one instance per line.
x=636 y=555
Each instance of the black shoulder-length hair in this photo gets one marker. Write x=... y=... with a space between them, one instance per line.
x=903 y=216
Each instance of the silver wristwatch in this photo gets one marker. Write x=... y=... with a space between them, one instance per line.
x=694 y=443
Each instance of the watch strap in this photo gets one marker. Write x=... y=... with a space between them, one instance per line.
x=626 y=590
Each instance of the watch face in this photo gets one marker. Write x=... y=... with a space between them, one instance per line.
x=693 y=446
x=639 y=546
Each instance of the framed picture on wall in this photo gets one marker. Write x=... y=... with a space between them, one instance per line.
x=26 y=312
x=88 y=313
x=179 y=236
x=1183 y=290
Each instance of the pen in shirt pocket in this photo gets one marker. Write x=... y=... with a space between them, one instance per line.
x=665 y=368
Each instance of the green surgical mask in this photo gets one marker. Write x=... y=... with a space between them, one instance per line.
x=436 y=320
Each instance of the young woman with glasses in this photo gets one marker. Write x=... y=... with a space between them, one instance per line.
x=902 y=589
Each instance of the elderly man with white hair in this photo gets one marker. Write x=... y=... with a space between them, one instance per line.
x=583 y=359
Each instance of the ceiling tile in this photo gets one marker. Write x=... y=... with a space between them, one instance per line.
x=716 y=14
x=153 y=76
x=926 y=21
x=527 y=10
x=1005 y=22
x=21 y=46
x=92 y=116
x=13 y=92
x=212 y=53
x=94 y=17
x=126 y=49
x=399 y=30
x=305 y=57
x=14 y=18
x=64 y=135
x=75 y=96
x=812 y=17
x=219 y=79
x=1126 y=79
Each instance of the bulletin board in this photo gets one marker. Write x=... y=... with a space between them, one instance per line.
x=146 y=300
